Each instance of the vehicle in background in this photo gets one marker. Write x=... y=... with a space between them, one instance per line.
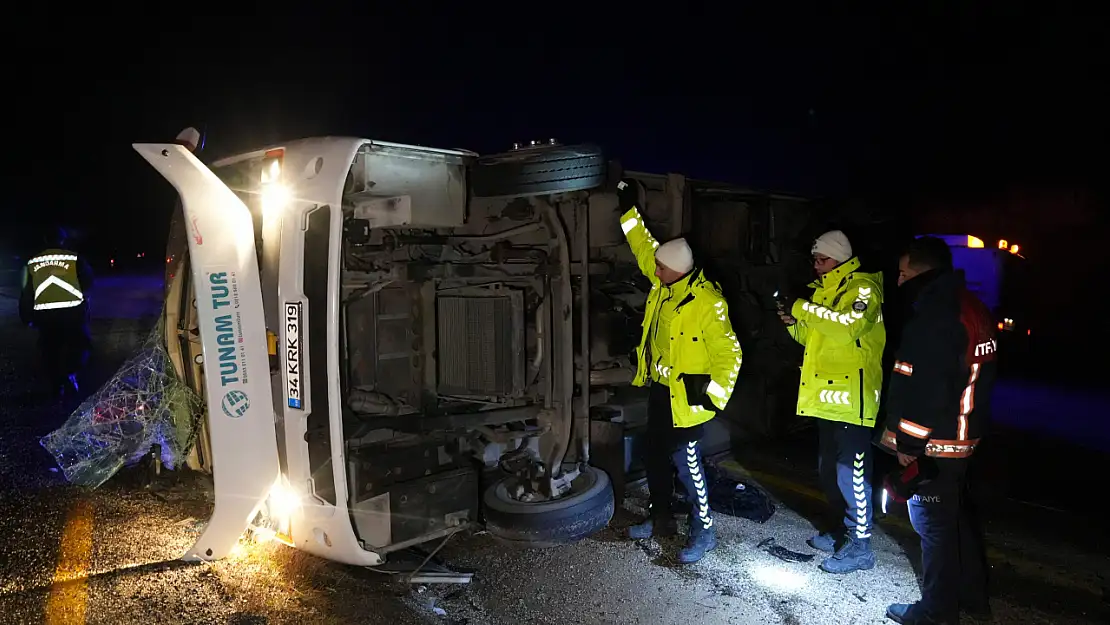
x=450 y=336
x=998 y=275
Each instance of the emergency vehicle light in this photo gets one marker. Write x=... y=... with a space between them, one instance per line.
x=973 y=241
x=1003 y=244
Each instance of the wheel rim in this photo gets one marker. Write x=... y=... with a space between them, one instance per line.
x=582 y=485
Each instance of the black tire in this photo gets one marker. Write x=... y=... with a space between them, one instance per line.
x=539 y=171
x=587 y=509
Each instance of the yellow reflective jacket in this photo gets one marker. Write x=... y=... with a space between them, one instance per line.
x=844 y=336
x=700 y=334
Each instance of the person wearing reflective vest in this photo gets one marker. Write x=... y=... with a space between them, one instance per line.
x=54 y=300
x=938 y=405
x=842 y=330
x=689 y=358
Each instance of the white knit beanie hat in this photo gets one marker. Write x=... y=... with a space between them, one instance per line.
x=834 y=245
x=676 y=255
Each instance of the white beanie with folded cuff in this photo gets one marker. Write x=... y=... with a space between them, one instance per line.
x=833 y=244
x=676 y=255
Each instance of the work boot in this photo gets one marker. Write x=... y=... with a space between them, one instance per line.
x=825 y=541
x=855 y=555
x=912 y=614
x=658 y=526
x=702 y=540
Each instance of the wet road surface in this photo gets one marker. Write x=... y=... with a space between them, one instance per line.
x=110 y=555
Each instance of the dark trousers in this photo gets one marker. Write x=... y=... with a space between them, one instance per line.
x=63 y=342
x=844 y=470
x=953 y=558
x=671 y=449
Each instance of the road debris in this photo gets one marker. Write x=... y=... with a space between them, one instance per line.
x=782 y=553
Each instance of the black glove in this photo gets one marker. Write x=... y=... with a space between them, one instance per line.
x=696 y=385
x=628 y=195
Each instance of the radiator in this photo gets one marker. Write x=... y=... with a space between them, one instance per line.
x=480 y=345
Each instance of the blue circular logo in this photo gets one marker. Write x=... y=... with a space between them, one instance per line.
x=235 y=404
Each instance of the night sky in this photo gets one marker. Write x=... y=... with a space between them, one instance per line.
x=926 y=105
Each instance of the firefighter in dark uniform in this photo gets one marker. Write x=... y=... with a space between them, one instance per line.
x=937 y=410
x=54 y=300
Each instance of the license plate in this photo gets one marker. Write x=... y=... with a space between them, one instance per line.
x=294 y=392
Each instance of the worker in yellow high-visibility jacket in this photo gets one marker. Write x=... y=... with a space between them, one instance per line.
x=55 y=301
x=689 y=357
x=841 y=327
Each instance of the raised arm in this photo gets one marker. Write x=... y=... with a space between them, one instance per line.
x=640 y=240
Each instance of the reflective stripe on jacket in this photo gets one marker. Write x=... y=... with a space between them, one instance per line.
x=939 y=399
x=54 y=280
x=699 y=333
x=844 y=337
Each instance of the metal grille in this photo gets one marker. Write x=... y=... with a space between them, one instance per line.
x=477 y=347
x=380 y=342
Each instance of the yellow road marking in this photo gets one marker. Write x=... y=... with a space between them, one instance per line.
x=69 y=593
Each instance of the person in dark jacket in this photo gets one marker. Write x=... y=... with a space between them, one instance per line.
x=55 y=301
x=938 y=406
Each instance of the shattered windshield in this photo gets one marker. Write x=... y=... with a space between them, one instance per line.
x=143 y=407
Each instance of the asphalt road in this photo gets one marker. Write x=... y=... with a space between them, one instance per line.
x=110 y=555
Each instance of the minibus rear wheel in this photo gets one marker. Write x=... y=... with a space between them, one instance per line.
x=583 y=511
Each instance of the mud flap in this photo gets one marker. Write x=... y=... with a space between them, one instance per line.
x=233 y=336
